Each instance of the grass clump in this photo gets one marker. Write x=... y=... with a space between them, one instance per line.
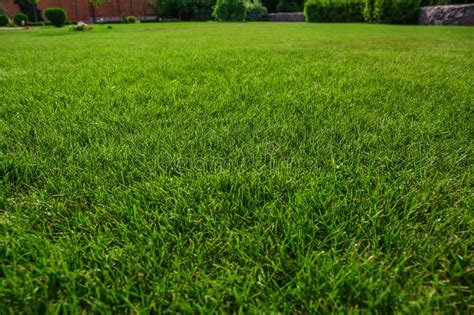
x=251 y=167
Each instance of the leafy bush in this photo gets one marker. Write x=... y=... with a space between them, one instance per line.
x=333 y=11
x=57 y=16
x=183 y=9
x=288 y=6
x=368 y=11
x=373 y=11
x=396 y=11
x=229 y=10
x=20 y=19
x=3 y=20
x=255 y=11
x=200 y=10
x=131 y=19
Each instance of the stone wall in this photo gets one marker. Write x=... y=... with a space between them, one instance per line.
x=286 y=17
x=447 y=15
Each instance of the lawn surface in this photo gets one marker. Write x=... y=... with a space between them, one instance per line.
x=226 y=167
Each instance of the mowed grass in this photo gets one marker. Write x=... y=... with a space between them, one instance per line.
x=237 y=168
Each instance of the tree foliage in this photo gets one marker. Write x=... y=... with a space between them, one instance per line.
x=98 y=3
x=183 y=9
x=29 y=8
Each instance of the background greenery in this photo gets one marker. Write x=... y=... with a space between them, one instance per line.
x=334 y=11
x=380 y=11
x=200 y=167
x=3 y=19
x=230 y=10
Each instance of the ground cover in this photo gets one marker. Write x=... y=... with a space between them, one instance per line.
x=253 y=167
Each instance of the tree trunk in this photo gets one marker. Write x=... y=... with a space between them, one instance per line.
x=93 y=13
x=29 y=9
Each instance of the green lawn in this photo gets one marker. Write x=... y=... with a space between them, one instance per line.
x=237 y=167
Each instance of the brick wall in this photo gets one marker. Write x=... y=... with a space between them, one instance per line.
x=80 y=10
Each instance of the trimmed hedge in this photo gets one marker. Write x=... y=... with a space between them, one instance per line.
x=3 y=20
x=372 y=11
x=368 y=11
x=20 y=19
x=57 y=16
x=333 y=11
x=230 y=10
x=255 y=11
x=396 y=11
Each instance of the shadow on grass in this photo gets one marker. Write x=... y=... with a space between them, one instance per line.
x=60 y=34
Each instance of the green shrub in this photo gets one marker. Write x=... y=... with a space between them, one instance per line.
x=314 y=11
x=229 y=10
x=354 y=11
x=333 y=11
x=3 y=20
x=183 y=9
x=368 y=11
x=20 y=19
x=255 y=11
x=131 y=19
x=396 y=11
x=57 y=16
